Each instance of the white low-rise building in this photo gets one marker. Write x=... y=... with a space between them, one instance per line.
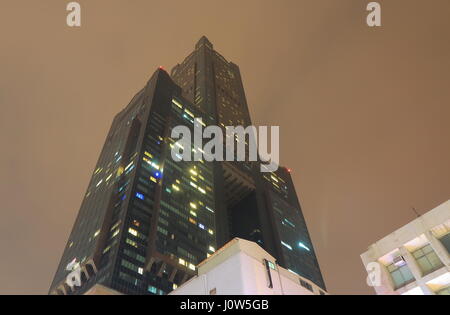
x=414 y=259
x=243 y=268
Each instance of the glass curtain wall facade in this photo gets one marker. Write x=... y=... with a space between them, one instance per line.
x=146 y=221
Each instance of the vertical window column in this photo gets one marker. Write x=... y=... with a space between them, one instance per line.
x=438 y=248
x=415 y=270
x=400 y=274
x=386 y=281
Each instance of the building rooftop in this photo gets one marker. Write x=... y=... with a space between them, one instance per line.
x=437 y=220
x=414 y=259
x=239 y=268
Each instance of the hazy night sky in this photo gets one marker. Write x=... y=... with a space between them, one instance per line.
x=364 y=113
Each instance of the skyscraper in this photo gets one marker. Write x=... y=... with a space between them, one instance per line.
x=146 y=221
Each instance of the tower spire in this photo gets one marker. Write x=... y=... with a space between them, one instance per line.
x=204 y=41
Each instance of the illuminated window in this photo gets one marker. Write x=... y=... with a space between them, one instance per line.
x=129 y=278
x=132 y=243
x=193 y=172
x=162 y=231
x=131 y=266
x=133 y=232
x=152 y=289
x=301 y=245
x=177 y=103
x=189 y=113
x=115 y=226
x=286 y=245
x=128 y=166
x=115 y=233
x=134 y=255
x=271 y=265
x=289 y=223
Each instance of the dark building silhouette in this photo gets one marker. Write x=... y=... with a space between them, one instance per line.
x=146 y=220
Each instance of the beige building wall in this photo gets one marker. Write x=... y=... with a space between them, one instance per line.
x=239 y=268
x=99 y=289
x=414 y=259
